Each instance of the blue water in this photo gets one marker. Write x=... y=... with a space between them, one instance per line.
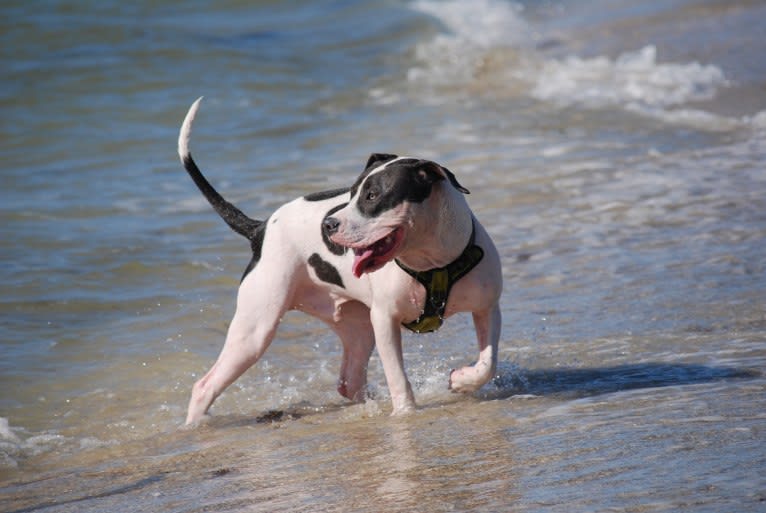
x=614 y=150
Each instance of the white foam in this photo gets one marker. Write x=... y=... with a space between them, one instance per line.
x=634 y=79
x=693 y=118
x=481 y=23
x=472 y=28
x=17 y=443
x=39 y=444
x=488 y=44
x=10 y=445
x=6 y=432
x=758 y=121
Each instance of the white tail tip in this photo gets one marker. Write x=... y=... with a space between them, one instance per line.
x=185 y=134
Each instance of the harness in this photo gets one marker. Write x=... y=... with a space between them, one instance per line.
x=438 y=283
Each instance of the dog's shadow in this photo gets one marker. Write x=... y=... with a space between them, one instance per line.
x=573 y=383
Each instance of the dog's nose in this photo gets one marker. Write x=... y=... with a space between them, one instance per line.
x=330 y=225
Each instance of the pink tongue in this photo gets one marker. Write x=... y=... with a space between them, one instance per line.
x=361 y=260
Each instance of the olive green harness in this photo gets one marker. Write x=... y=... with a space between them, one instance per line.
x=438 y=283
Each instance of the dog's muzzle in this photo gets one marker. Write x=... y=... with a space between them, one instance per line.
x=330 y=226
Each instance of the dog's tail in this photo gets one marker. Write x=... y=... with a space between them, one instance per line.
x=234 y=217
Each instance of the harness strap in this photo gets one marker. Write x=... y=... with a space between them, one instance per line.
x=438 y=283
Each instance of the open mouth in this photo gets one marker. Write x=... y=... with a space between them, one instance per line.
x=373 y=257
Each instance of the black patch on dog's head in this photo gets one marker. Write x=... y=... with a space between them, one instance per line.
x=335 y=249
x=453 y=180
x=321 y=196
x=375 y=161
x=404 y=180
x=325 y=270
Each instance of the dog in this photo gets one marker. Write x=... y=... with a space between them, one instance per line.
x=399 y=248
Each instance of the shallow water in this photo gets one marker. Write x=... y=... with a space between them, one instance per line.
x=615 y=152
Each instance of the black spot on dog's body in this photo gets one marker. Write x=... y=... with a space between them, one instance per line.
x=335 y=249
x=325 y=270
x=324 y=195
x=256 y=244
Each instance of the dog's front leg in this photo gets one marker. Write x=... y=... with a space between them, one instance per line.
x=472 y=377
x=388 y=340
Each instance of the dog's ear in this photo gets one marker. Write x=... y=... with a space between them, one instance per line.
x=376 y=159
x=443 y=173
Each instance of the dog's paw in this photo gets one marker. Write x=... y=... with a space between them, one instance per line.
x=403 y=410
x=195 y=423
x=464 y=380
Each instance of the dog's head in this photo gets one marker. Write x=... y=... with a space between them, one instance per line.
x=386 y=199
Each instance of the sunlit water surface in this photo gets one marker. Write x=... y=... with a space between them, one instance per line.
x=615 y=151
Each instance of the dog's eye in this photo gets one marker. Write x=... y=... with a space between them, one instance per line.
x=371 y=195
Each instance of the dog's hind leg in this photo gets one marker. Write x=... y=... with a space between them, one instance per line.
x=354 y=329
x=472 y=377
x=250 y=333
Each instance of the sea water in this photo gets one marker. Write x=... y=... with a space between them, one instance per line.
x=614 y=150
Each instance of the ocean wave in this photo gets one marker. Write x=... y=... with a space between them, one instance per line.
x=482 y=23
x=471 y=29
x=16 y=444
x=488 y=47
x=634 y=79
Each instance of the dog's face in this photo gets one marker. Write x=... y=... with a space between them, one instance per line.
x=384 y=201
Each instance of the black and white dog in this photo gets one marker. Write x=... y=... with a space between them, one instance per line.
x=400 y=247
